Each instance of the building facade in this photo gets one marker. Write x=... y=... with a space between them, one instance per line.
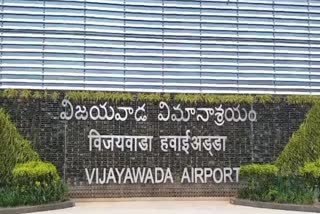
x=182 y=46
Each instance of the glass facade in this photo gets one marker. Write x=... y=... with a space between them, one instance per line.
x=191 y=46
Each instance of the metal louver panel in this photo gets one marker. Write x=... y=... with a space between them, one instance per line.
x=181 y=46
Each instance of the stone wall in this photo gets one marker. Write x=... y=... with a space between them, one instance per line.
x=66 y=144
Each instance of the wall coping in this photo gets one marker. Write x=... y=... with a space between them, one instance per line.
x=37 y=208
x=271 y=205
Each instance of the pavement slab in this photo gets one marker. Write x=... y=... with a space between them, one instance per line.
x=164 y=207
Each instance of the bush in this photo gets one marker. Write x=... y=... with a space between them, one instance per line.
x=311 y=173
x=263 y=183
x=13 y=149
x=279 y=189
x=36 y=171
x=33 y=183
x=304 y=145
x=258 y=170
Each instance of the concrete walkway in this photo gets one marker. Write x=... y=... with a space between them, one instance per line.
x=164 y=207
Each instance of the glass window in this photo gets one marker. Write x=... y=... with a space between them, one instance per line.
x=63 y=11
x=258 y=28
x=22 y=25
x=141 y=16
x=217 y=12
x=257 y=7
x=255 y=34
x=182 y=18
x=143 y=9
x=23 y=10
x=181 y=11
x=23 y=2
x=143 y=52
x=219 y=26
x=142 y=66
x=104 y=79
x=108 y=7
x=64 y=4
x=20 y=62
x=142 y=2
x=57 y=71
x=143 y=30
x=218 y=19
x=104 y=29
x=293 y=8
x=63 y=63
x=250 y=20
x=291 y=22
x=62 y=77
x=218 y=75
x=104 y=14
x=66 y=27
x=22 y=18
x=64 y=48
x=180 y=32
x=146 y=45
x=22 y=77
x=143 y=24
x=254 y=13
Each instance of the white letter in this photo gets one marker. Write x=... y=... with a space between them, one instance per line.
x=168 y=176
x=198 y=173
x=237 y=169
x=128 y=176
x=104 y=177
x=149 y=176
x=227 y=173
x=119 y=174
x=215 y=175
x=111 y=176
x=138 y=174
x=207 y=174
x=90 y=178
x=64 y=115
x=159 y=179
x=185 y=175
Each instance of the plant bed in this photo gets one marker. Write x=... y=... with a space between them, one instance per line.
x=37 y=208
x=279 y=206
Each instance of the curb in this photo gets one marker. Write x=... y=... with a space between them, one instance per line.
x=37 y=208
x=134 y=199
x=278 y=206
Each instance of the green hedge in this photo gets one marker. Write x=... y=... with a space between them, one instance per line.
x=311 y=173
x=125 y=97
x=33 y=183
x=258 y=171
x=33 y=172
x=263 y=183
x=14 y=148
x=303 y=146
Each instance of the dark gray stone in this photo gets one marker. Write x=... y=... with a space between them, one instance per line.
x=248 y=142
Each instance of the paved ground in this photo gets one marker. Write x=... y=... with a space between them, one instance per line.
x=164 y=207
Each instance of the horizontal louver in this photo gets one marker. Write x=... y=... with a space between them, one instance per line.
x=208 y=46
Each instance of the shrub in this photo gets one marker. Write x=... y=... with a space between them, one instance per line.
x=311 y=173
x=32 y=195
x=35 y=171
x=263 y=183
x=34 y=183
x=13 y=148
x=258 y=170
x=279 y=189
x=304 y=145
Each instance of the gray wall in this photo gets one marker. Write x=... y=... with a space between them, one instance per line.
x=66 y=144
